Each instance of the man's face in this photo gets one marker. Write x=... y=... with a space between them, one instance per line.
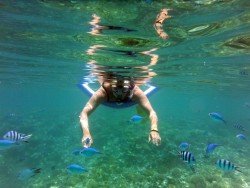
x=120 y=89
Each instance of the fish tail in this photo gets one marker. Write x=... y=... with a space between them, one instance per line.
x=17 y=143
x=192 y=168
x=25 y=138
x=224 y=122
x=130 y=122
x=175 y=151
x=237 y=169
x=37 y=170
x=206 y=155
x=178 y=152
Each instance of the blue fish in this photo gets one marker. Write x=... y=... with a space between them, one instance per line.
x=217 y=116
x=28 y=173
x=5 y=144
x=226 y=165
x=136 y=119
x=76 y=169
x=210 y=148
x=88 y=152
x=241 y=136
x=184 y=146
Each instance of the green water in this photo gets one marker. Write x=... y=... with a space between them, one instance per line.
x=203 y=67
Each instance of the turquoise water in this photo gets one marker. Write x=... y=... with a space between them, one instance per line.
x=202 y=67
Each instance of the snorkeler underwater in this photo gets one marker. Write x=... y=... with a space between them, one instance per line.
x=147 y=93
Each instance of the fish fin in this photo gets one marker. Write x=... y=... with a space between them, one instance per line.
x=237 y=169
x=36 y=170
x=130 y=122
x=206 y=155
x=86 y=170
x=17 y=143
x=178 y=152
x=70 y=173
x=192 y=168
x=76 y=151
x=174 y=152
x=26 y=137
x=241 y=167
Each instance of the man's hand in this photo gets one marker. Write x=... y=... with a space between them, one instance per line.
x=87 y=141
x=154 y=137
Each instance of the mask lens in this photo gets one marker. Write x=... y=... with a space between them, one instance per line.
x=120 y=91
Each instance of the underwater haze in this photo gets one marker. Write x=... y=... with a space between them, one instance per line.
x=201 y=71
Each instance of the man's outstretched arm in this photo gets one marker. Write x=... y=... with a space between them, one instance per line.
x=90 y=106
x=143 y=101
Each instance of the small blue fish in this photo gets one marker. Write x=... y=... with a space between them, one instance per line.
x=217 y=116
x=5 y=144
x=226 y=165
x=210 y=148
x=88 y=152
x=184 y=146
x=241 y=136
x=76 y=169
x=28 y=173
x=136 y=119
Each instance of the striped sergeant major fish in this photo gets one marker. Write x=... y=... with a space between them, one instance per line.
x=187 y=157
x=239 y=127
x=16 y=137
x=226 y=165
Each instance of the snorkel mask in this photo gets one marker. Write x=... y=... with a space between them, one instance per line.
x=122 y=88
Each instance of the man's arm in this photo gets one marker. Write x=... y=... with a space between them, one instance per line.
x=143 y=101
x=90 y=106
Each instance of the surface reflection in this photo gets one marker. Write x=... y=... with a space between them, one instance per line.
x=105 y=61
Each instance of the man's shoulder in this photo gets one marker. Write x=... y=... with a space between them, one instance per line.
x=101 y=92
x=138 y=93
x=137 y=89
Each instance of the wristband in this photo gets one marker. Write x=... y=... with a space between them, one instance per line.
x=154 y=130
